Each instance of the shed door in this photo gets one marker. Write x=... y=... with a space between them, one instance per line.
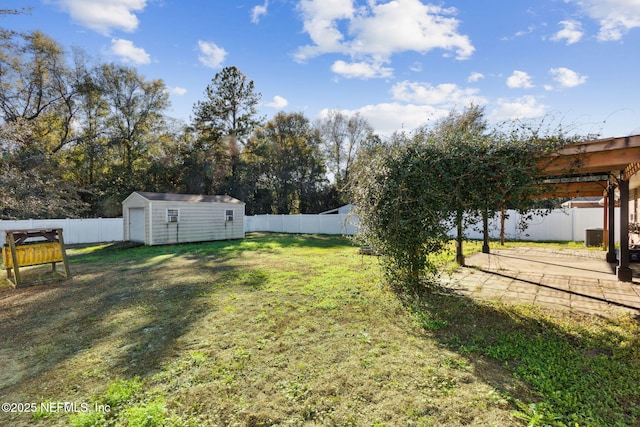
x=136 y=225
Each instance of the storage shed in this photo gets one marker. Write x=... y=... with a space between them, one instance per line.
x=165 y=218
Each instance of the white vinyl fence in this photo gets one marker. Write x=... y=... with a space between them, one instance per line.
x=304 y=223
x=565 y=224
x=91 y=230
x=560 y=224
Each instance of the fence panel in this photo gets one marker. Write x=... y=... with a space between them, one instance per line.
x=305 y=223
x=560 y=224
x=75 y=231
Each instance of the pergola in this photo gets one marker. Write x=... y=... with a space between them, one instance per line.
x=598 y=168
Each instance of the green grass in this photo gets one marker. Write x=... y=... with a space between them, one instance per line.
x=299 y=330
x=583 y=370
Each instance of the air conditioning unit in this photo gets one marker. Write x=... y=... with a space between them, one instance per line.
x=173 y=215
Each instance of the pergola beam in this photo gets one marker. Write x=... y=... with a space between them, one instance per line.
x=601 y=156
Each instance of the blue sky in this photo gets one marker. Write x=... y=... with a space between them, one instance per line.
x=399 y=63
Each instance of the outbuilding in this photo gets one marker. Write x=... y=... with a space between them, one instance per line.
x=166 y=218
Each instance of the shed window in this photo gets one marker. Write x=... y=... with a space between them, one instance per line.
x=228 y=215
x=173 y=215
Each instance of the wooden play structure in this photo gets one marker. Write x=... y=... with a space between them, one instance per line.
x=34 y=247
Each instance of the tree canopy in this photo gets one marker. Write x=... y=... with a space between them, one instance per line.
x=289 y=169
x=77 y=136
x=341 y=138
x=230 y=107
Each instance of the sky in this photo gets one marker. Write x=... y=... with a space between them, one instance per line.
x=401 y=64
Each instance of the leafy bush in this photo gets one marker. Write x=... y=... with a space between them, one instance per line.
x=409 y=193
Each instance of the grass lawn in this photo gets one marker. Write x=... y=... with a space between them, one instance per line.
x=295 y=330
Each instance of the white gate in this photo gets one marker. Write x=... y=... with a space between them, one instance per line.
x=136 y=225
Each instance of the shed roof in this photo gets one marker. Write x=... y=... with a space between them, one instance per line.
x=194 y=198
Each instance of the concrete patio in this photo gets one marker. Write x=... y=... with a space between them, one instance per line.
x=576 y=280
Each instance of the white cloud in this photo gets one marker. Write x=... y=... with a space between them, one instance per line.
x=387 y=118
x=571 y=32
x=526 y=107
x=409 y=25
x=361 y=70
x=530 y=29
x=374 y=32
x=103 y=16
x=616 y=17
x=278 y=103
x=178 y=91
x=258 y=11
x=321 y=23
x=474 y=77
x=566 y=77
x=212 y=55
x=446 y=94
x=128 y=52
x=416 y=67
x=415 y=105
x=519 y=79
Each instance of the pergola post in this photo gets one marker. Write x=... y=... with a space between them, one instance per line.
x=623 y=271
x=611 y=236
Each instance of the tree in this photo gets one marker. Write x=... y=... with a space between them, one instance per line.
x=202 y=163
x=36 y=194
x=463 y=139
x=135 y=110
x=31 y=188
x=37 y=91
x=223 y=122
x=410 y=192
x=88 y=155
x=37 y=109
x=166 y=168
x=123 y=119
x=400 y=207
x=289 y=171
x=342 y=136
x=230 y=106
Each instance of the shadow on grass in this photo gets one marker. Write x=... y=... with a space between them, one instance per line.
x=134 y=301
x=118 y=316
x=581 y=370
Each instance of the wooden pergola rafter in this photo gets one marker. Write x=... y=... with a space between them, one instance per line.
x=580 y=186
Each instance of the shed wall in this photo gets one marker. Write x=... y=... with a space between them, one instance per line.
x=198 y=222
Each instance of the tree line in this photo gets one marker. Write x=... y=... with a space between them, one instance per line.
x=78 y=135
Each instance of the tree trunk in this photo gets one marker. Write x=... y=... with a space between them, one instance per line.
x=459 y=254
x=502 y=213
x=485 y=231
